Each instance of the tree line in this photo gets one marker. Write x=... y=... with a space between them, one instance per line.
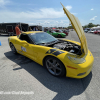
x=90 y=25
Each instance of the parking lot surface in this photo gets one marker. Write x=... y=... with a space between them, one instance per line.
x=20 y=74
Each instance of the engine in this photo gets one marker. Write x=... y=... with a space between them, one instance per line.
x=65 y=45
x=68 y=46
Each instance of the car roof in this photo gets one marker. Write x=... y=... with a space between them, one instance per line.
x=29 y=32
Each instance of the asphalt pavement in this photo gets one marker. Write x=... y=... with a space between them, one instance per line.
x=20 y=75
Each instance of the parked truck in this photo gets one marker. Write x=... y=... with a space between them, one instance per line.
x=9 y=28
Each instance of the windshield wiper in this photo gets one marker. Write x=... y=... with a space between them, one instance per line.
x=40 y=43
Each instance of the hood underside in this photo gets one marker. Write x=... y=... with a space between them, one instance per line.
x=79 y=30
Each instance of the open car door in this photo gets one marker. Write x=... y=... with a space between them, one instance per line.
x=79 y=30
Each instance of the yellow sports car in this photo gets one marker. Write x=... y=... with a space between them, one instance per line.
x=60 y=57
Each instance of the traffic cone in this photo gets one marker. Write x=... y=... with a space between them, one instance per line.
x=0 y=43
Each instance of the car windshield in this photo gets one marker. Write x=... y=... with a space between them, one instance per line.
x=42 y=38
x=53 y=32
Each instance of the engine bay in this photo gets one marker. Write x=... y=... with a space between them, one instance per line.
x=67 y=46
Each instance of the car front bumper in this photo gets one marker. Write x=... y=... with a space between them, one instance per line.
x=80 y=70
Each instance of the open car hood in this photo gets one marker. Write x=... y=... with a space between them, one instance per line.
x=79 y=30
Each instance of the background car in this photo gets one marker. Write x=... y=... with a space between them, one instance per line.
x=97 y=32
x=92 y=31
x=61 y=31
x=66 y=32
x=85 y=31
x=56 y=34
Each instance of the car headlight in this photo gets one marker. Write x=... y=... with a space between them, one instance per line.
x=76 y=60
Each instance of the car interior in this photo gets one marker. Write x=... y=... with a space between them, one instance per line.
x=25 y=38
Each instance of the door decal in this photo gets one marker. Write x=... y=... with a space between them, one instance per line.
x=23 y=48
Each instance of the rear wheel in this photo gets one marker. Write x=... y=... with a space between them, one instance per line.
x=13 y=49
x=55 y=66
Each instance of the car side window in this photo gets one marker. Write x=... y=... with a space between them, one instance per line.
x=25 y=38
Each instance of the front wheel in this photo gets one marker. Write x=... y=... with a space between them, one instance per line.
x=55 y=66
x=59 y=36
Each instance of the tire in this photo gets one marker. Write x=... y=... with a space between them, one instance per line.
x=13 y=49
x=59 y=36
x=55 y=66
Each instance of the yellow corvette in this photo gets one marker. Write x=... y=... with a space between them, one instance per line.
x=60 y=57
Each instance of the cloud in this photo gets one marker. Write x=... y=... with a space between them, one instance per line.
x=69 y=7
x=93 y=18
x=61 y=21
x=32 y=14
x=4 y=2
x=31 y=23
x=50 y=22
x=44 y=16
x=57 y=22
x=28 y=15
x=6 y=15
x=46 y=22
x=92 y=9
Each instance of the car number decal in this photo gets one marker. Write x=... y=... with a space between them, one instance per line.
x=23 y=48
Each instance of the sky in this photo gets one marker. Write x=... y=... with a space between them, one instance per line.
x=49 y=13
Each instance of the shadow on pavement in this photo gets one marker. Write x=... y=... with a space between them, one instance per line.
x=63 y=86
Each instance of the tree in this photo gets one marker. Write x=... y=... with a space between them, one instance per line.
x=70 y=27
x=86 y=26
x=90 y=25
